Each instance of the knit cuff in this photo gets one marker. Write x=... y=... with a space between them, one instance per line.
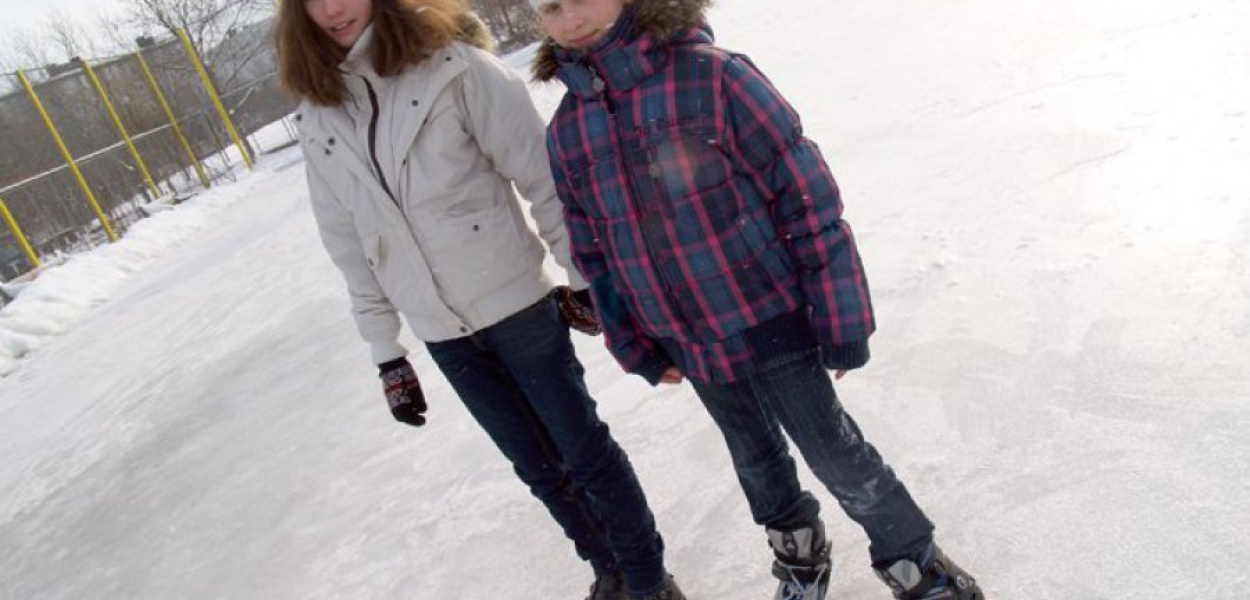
x=844 y=357
x=654 y=366
x=391 y=365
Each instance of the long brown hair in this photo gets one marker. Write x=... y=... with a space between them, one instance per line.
x=404 y=32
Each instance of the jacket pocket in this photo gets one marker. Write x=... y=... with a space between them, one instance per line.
x=682 y=163
x=373 y=246
x=484 y=246
x=732 y=282
x=491 y=226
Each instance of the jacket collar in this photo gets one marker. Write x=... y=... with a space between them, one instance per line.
x=623 y=58
x=358 y=58
x=469 y=29
x=433 y=74
x=637 y=46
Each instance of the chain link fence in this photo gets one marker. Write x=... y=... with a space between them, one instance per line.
x=175 y=139
x=89 y=142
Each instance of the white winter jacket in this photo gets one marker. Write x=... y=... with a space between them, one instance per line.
x=440 y=237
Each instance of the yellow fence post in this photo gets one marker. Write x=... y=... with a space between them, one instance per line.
x=212 y=92
x=173 y=121
x=69 y=158
x=17 y=232
x=117 y=121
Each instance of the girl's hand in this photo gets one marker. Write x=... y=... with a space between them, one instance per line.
x=839 y=375
x=671 y=375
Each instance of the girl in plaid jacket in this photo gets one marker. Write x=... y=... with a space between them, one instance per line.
x=711 y=232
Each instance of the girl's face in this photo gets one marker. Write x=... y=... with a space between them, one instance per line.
x=342 y=20
x=578 y=24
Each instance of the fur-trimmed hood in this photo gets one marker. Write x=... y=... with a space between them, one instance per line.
x=660 y=19
x=474 y=32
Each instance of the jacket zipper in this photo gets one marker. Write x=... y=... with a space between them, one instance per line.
x=377 y=166
x=648 y=241
x=373 y=142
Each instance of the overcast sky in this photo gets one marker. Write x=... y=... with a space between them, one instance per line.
x=32 y=15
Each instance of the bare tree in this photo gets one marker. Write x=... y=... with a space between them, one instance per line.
x=24 y=49
x=68 y=36
x=512 y=22
x=10 y=61
x=61 y=36
x=114 y=32
x=209 y=23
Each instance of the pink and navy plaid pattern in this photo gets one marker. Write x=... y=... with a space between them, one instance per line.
x=690 y=189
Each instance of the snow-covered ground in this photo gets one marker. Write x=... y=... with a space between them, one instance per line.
x=1053 y=202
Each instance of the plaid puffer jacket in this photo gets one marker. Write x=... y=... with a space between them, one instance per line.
x=703 y=218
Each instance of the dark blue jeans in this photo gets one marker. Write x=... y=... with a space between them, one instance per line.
x=522 y=383
x=796 y=393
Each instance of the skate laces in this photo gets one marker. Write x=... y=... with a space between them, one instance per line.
x=803 y=581
x=802 y=562
x=801 y=575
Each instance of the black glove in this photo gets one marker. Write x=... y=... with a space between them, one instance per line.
x=403 y=392
x=577 y=310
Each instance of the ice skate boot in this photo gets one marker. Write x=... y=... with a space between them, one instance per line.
x=802 y=562
x=670 y=591
x=608 y=585
x=938 y=579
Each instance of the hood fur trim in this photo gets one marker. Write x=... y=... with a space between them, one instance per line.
x=474 y=32
x=659 y=18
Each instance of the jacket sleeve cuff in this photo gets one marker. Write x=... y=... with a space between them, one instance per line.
x=391 y=365
x=576 y=281
x=844 y=357
x=383 y=352
x=654 y=366
x=583 y=296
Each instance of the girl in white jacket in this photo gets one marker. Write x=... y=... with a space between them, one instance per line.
x=414 y=137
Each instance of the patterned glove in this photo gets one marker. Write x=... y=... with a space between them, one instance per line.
x=577 y=310
x=403 y=392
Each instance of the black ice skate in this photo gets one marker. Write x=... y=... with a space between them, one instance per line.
x=940 y=580
x=608 y=585
x=670 y=591
x=803 y=564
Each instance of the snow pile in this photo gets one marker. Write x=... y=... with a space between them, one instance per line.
x=62 y=293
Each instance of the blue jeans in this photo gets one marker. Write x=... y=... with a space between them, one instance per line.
x=522 y=383
x=795 y=392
